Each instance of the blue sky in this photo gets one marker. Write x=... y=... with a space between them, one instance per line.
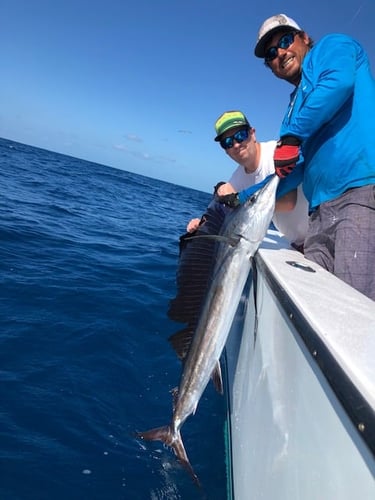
x=139 y=85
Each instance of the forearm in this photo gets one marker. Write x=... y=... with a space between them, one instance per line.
x=287 y=202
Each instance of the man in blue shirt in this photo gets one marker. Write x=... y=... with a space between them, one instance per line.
x=330 y=124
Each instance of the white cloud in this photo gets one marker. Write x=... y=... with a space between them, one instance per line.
x=133 y=137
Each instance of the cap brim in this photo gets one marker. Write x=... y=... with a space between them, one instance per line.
x=259 y=47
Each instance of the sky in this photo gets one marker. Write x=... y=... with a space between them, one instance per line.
x=138 y=85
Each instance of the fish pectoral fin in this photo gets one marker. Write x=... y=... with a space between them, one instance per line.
x=217 y=378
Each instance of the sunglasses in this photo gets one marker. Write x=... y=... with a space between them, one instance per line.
x=239 y=137
x=284 y=43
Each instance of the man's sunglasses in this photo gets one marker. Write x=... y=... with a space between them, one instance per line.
x=284 y=43
x=239 y=137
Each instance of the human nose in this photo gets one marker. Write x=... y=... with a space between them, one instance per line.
x=236 y=144
x=281 y=52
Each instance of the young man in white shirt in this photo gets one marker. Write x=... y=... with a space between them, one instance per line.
x=255 y=162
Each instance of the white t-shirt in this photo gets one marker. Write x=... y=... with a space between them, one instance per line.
x=293 y=225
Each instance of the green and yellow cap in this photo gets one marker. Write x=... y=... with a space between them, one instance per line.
x=228 y=120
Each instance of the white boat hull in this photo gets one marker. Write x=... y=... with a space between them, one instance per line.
x=300 y=364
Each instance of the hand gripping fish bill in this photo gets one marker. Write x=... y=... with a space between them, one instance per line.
x=241 y=234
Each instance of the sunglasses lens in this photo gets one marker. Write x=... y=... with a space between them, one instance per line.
x=286 y=41
x=227 y=143
x=271 y=54
x=241 y=135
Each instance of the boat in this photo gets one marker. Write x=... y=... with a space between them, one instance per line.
x=300 y=383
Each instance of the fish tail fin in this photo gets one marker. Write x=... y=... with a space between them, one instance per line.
x=163 y=434
x=172 y=439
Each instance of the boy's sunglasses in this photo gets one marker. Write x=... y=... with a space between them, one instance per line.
x=239 y=137
x=284 y=43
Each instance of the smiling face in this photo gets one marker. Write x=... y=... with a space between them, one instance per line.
x=287 y=65
x=245 y=153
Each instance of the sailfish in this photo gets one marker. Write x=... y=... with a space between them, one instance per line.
x=201 y=343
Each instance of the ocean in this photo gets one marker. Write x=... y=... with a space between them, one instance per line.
x=88 y=260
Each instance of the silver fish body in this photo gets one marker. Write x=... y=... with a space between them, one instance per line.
x=240 y=237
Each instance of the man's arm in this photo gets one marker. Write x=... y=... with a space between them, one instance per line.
x=287 y=202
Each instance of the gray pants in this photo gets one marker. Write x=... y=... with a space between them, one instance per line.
x=341 y=238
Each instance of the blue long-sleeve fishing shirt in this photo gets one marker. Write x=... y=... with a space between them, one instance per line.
x=332 y=111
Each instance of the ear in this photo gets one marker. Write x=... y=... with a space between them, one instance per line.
x=252 y=136
x=305 y=38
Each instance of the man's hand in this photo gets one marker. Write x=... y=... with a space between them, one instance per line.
x=286 y=155
x=230 y=200
x=224 y=188
x=193 y=225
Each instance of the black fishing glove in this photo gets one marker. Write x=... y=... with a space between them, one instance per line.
x=230 y=200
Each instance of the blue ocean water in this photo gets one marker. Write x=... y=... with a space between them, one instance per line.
x=88 y=257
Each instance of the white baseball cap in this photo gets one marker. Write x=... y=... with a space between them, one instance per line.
x=270 y=25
